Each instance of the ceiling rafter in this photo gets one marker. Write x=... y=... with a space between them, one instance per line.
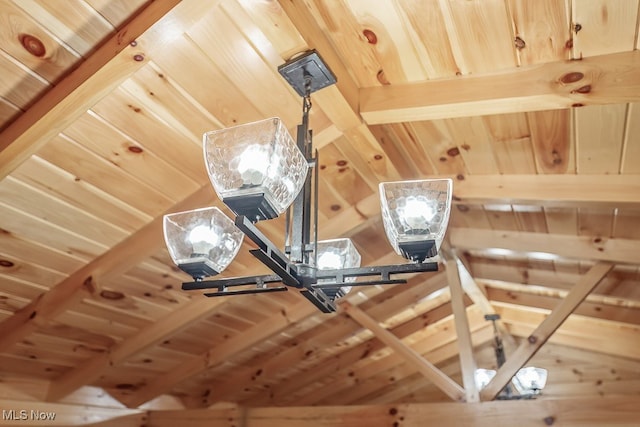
x=409 y=382
x=259 y=332
x=426 y=368
x=113 y=62
x=548 y=190
x=616 y=250
x=94 y=367
x=598 y=306
x=396 y=299
x=467 y=360
x=221 y=352
x=532 y=344
x=340 y=102
x=606 y=79
x=608 y=337
x=360 y=381
x=79 y=284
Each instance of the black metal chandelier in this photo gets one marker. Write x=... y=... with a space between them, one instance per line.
x=260 y=173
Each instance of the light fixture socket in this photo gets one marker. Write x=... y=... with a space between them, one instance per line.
x=198 y=267
x=418 y=251
x=256 y=207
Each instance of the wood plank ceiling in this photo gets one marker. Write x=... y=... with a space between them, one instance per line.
x=530 y=105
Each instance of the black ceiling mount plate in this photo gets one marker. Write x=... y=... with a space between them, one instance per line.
x=309 y=63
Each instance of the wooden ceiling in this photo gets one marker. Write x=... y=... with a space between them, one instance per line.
x=529 y=105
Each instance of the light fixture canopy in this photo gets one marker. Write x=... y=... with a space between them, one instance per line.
x=256 y=168
x=415 y=215
x=201 y=242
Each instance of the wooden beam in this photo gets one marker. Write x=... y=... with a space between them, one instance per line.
x=406 y=383
x=221 y=352
x=340 y=102
x=532 y=344
x=430 y=371
x=549 y=190
x=336 y=330
x=622 y=411
x=115 y=60
x=467 y=361
x=156 y=332
x=471 y=288
x=586 y=333
x=598 y=306
x=617 y=250
x=606 y=79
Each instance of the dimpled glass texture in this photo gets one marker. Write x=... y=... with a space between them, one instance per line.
x=530 y=380
x=414 y=211
x=204 y=234
x=254 y=158
x=336 y=254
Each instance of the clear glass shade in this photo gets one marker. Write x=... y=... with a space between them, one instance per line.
x=482 y=377
x=337 y=254
x=530 y=380
x=202 y=242
x=258 y=159
x=415 y=215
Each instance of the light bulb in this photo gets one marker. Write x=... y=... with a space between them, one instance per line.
x=329 y=261
x=483 y=377
x=418 y=212
x=202 y=238
x=253 y=165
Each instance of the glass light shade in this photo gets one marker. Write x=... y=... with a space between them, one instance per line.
x=337 y=254
x=255 y=168
x=530 y=380
x=202 y=242
x=415 y=215
x=482 y=377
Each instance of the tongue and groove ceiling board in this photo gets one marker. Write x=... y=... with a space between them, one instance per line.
x=532 y=107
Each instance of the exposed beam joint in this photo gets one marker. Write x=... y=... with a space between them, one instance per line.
x=532 y=344
x=606 y=79
x=430 y=371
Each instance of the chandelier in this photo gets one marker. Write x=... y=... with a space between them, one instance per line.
x=261 y=173
x=528 y=381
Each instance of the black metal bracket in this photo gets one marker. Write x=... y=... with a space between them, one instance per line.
x=305 y=278
x=298 y=70
x=245 y=285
